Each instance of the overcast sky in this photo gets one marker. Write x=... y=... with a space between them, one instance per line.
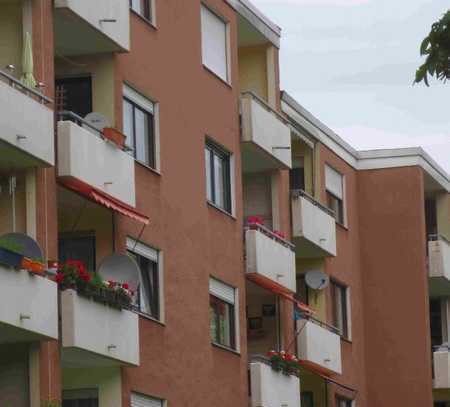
x=352 y=64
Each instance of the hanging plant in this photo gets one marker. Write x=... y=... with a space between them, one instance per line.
x=284 y=362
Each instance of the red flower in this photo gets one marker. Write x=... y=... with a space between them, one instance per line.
x=86 y=277
x=258 y=220
x=279 y=234
x=59 y=277
x=125 y=286
x=111 y=283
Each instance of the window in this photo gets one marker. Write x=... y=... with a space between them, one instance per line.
x=218 y=178
x=149 y=293
x=143 y=7
x=80 y=398
x=139 y=400
x=340 y=308
x=222 y=313
x=78 y=247
x=302 y=290
x=297 y=174
x=214 y=43
x=307 y=399
x=334 y=183
x=75 y=95
x=343 y=402
x=139 y=127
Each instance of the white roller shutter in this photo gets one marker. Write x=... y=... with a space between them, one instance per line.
x=221 y=290
x=214 y=43
x=142 y=249
x=334 y=182
x=138 y=400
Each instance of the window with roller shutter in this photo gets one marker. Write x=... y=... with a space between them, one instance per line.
x=139 y=400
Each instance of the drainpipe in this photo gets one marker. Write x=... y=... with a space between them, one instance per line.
x=12 y=192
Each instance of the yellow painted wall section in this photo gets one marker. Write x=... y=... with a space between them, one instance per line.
x=301 y=150
x=11 y=36
x=253 y=70
x=90 y=218
x=317 y=299
x=108 y=381
x=101 y=69
x=315 y=384
x=6 y=206
x=443 y=214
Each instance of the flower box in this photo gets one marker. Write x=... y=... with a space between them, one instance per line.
x=33 y=266
x=114 y=136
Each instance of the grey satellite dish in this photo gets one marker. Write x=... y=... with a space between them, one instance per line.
x=28 y=246
x=121 y=268
x=316 y=279
x=96 y=120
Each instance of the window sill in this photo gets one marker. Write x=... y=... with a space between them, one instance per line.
x=143 y=19
x=225 y=348
x=346 y=340
x=342 y=226
x=221 y=210
x=153 y=170
x=150 y=318
x=228 y=84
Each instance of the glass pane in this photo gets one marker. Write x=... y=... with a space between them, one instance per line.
x=142 y=147
x=128 y=123
x=136 y=6
x=208 y=174
x=219 y=187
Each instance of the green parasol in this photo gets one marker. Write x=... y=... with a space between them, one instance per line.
x=27 y=63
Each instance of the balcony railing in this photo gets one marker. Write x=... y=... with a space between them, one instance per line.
x=266 y=136
x=85 y=155
x=270 y=256
x=26 y=125
x=314 y=226
x=441 y=367
x=319 y=345
x=439 y=265
x=270 y=388
x=28 y=307
x=94 y=334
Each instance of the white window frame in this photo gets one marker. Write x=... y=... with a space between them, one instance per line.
x=156 y=256
x=227 y=43
x=151 y=106
x=152 y=5
x=344 y=199
x=150 y=398
x=213 y=280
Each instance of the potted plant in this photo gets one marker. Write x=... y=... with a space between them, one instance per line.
x=10 y=252
x=115 y=136
x=284 y=362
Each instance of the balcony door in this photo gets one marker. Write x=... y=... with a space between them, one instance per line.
x=74 y=95
x=78 y=247
x=80 y=398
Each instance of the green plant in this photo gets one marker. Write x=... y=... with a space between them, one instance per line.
x=51 y=403
x=284 y=362
x=11 y=244
x=436 y=48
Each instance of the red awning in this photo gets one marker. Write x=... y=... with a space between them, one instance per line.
x=104 y=199
x=278 y=289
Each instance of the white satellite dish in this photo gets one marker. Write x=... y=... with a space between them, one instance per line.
x=316 y=279
x=121 y=268
x=96 y=120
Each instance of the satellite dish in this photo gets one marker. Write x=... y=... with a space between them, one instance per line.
x=96 y=120
x=316 y=279
x=28 y=246
x=121 y=268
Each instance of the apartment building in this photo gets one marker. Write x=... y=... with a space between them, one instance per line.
x=168 y=217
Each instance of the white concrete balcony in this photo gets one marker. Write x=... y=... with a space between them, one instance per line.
x=266 y=137
x=313 y=227
x=26 y=126
x=270 y=257
x=90 y=27
x=319 y=346
x=83 y=155
x=441 y=367
x=94 y=334
x=439 y=266
x=270 y=388
x=28 y=307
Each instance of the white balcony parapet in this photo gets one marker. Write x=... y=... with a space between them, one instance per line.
x=94 y=334
x=319 y=346
x=28 y=307
x=439 y=257
x=87 y=27
x=267 y=135
x=26 y=126
x=441 y=366
x=270 y=256
x=313 y=227
x=83 y=155
x=270 y=388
